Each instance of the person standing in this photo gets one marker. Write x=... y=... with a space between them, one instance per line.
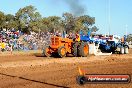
x=0 y=46
x=3 y=45
x=77 y=37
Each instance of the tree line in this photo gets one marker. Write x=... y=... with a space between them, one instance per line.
x=129 y=38
x=29 y=19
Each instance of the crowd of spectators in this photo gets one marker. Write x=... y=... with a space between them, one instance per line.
x=16 y=40
x=8 y=39
x=11 y=40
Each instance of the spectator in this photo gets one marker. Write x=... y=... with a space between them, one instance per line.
x=77 y=37
x=70 y=35
x=3 y=45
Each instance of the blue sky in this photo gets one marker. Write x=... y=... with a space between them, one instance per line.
x=120 y=12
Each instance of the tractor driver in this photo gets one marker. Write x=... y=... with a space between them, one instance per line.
x=77 y=37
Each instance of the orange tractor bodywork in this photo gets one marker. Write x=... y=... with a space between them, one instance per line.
x=64 y=46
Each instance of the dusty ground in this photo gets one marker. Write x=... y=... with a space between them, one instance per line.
x=33 y=71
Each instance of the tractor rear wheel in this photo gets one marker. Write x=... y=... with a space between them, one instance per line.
x=62 y=51
x=75 y=49
x=83 y=49
x=46 y=51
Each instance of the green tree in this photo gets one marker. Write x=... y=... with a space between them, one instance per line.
x=52 y=23
x=2 y=20
x=72 y=23
x=68 y=22
x=129 y=37
x=36 y=22
x=86 y=21
x=94 y=29
x=28 y=19
x=11 y=21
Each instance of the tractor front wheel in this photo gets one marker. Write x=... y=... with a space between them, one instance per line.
x=46 y=51
x=62 y=51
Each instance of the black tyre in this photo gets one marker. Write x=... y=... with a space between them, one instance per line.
x=46 y=51
x=83 y=49
x=62 y=51
x=81 y=80
x=75 y=49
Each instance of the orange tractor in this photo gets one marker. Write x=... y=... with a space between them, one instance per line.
x=63 y=46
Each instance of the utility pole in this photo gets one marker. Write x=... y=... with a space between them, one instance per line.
x=109 y=18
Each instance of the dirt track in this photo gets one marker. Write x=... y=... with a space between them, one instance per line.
x=41 y=72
